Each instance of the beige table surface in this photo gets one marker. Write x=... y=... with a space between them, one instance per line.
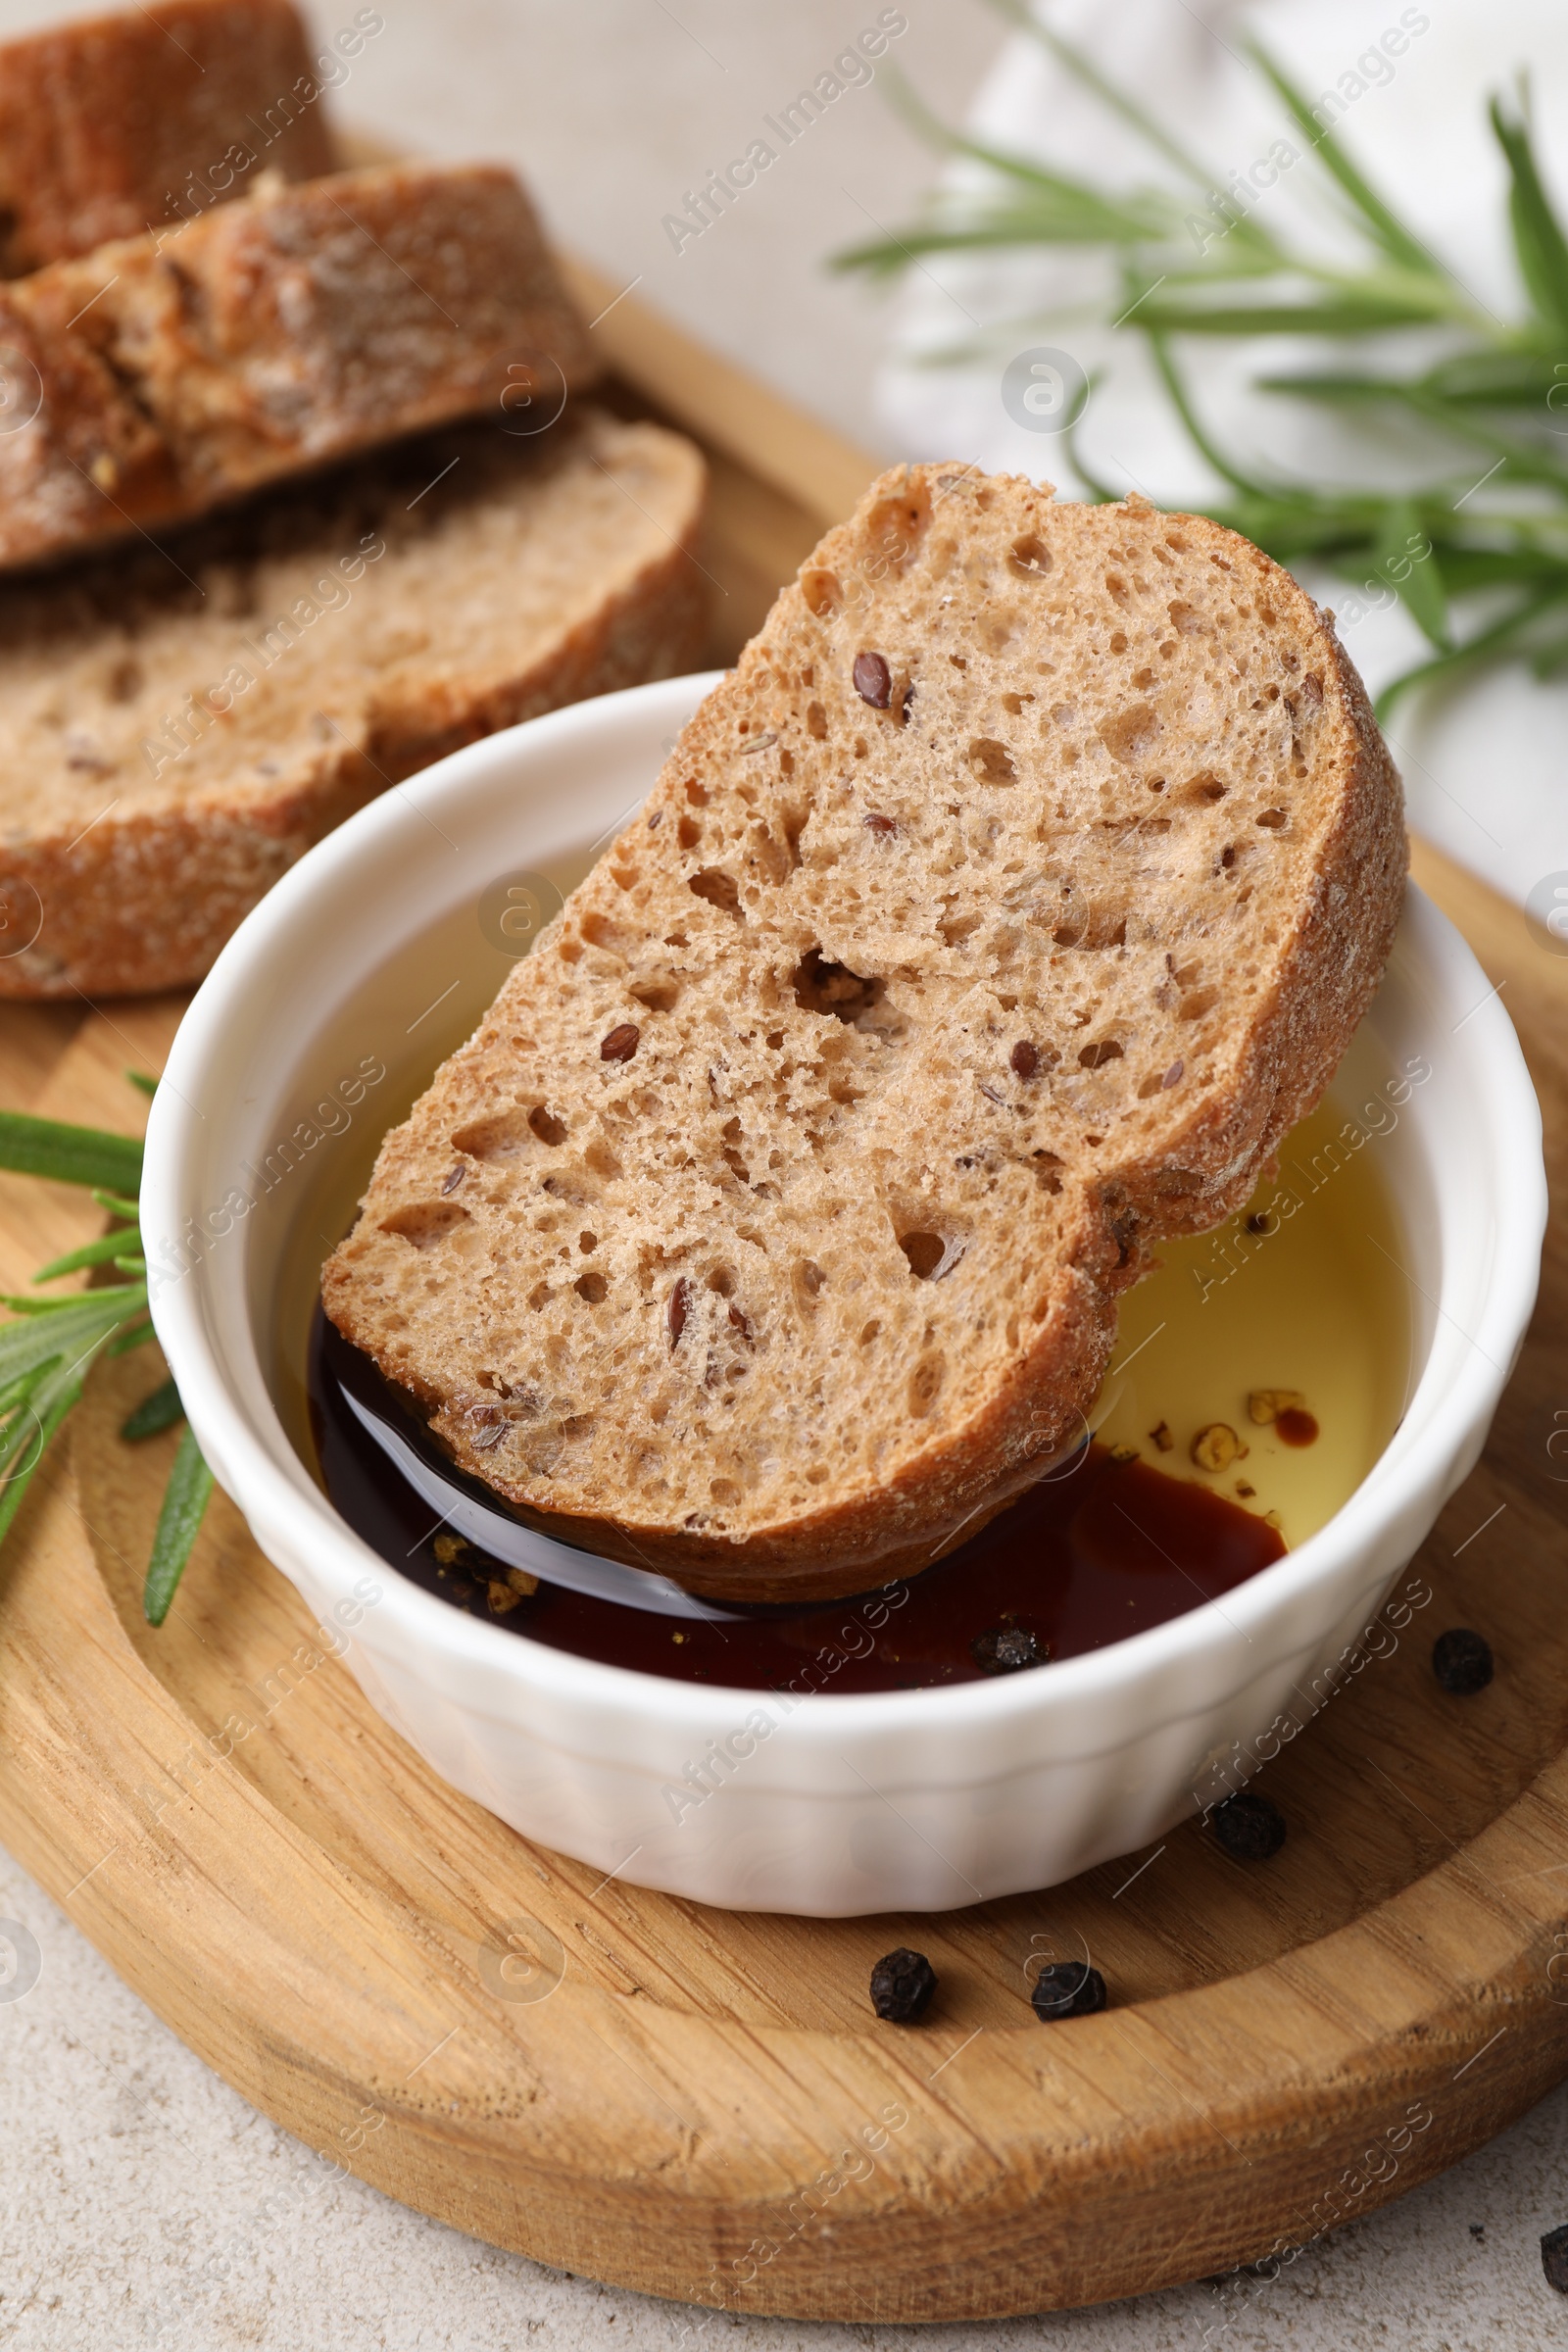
x=138 y=2191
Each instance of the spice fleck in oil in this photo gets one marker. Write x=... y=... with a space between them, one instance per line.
x=1301 y=1297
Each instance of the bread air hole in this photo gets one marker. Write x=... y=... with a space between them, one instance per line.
x=718 y=888
x=992 y=761
x=1128 y=734
x=1030 y=553
x=823 y=590
x=1273 y=818
x=592 y=1288
x=930 y=1255
x=508 y=1135
x=1094 y=1057
x=425 y=1223
x=832 y=988
x=600 y=931
x=896 y=525
x=1092 y=927
x=925 y=1384
x=807 y=1281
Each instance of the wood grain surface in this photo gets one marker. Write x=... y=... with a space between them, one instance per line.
x=699 y=2104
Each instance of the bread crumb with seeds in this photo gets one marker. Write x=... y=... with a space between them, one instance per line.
x=857 y=1257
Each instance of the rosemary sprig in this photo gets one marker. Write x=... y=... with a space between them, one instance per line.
x=190 y=1483
x=1194 y=257
x=48 y=1350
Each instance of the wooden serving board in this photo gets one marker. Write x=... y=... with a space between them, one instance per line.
x=699 y=2104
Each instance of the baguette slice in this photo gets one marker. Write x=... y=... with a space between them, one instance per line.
x=172 y=374
x=997 y=917
x=172 y=739
x=118 y=123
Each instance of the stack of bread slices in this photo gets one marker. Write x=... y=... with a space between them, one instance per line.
x=296 y=489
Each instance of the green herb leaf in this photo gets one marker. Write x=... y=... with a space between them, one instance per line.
x=1537 y=237
x=190 y=1483
x=157 y=1412
x=138 y=1335
x=1400 y=245
x=108 y=1248
x=1405 y=559
x=1506 y=635
x=1358 y=307
x=69 y=1154
x=71 y=1327
x=119 y=1206
x=27 y=1439
x=1472 y=380
x=139 y=1078
x=1116 y=101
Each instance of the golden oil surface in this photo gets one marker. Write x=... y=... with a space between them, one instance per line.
x=1303 y=1290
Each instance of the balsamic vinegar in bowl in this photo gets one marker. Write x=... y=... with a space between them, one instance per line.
x=1259 y=1374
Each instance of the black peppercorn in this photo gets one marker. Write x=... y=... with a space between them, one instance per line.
x=1067 y=1988
x=1555 y=2257
x=1248 y=1826
x=902 y=1985
x=1461 y=1661
x=1007 y=1649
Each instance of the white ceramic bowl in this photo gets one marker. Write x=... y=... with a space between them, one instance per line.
x=840 y=1804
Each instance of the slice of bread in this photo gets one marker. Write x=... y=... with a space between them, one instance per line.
x=998 y=915
x=172 y=374
x=175 y=733
x=116 y=124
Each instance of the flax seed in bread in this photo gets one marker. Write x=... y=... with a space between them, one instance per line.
x=172 y=374
x=998 y=915
x=118 y=123
x=173 y=733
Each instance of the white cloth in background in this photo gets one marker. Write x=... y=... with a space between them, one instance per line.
x=1485 y=761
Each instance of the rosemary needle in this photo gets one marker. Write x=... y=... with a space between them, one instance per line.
x=51 y=1345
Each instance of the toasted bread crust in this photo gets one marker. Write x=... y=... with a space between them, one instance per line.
x=970 y=942
x=125 y=122
x=116 y=881
x=170 y=374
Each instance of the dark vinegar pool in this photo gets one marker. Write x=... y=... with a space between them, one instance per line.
x=1101 y=1549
